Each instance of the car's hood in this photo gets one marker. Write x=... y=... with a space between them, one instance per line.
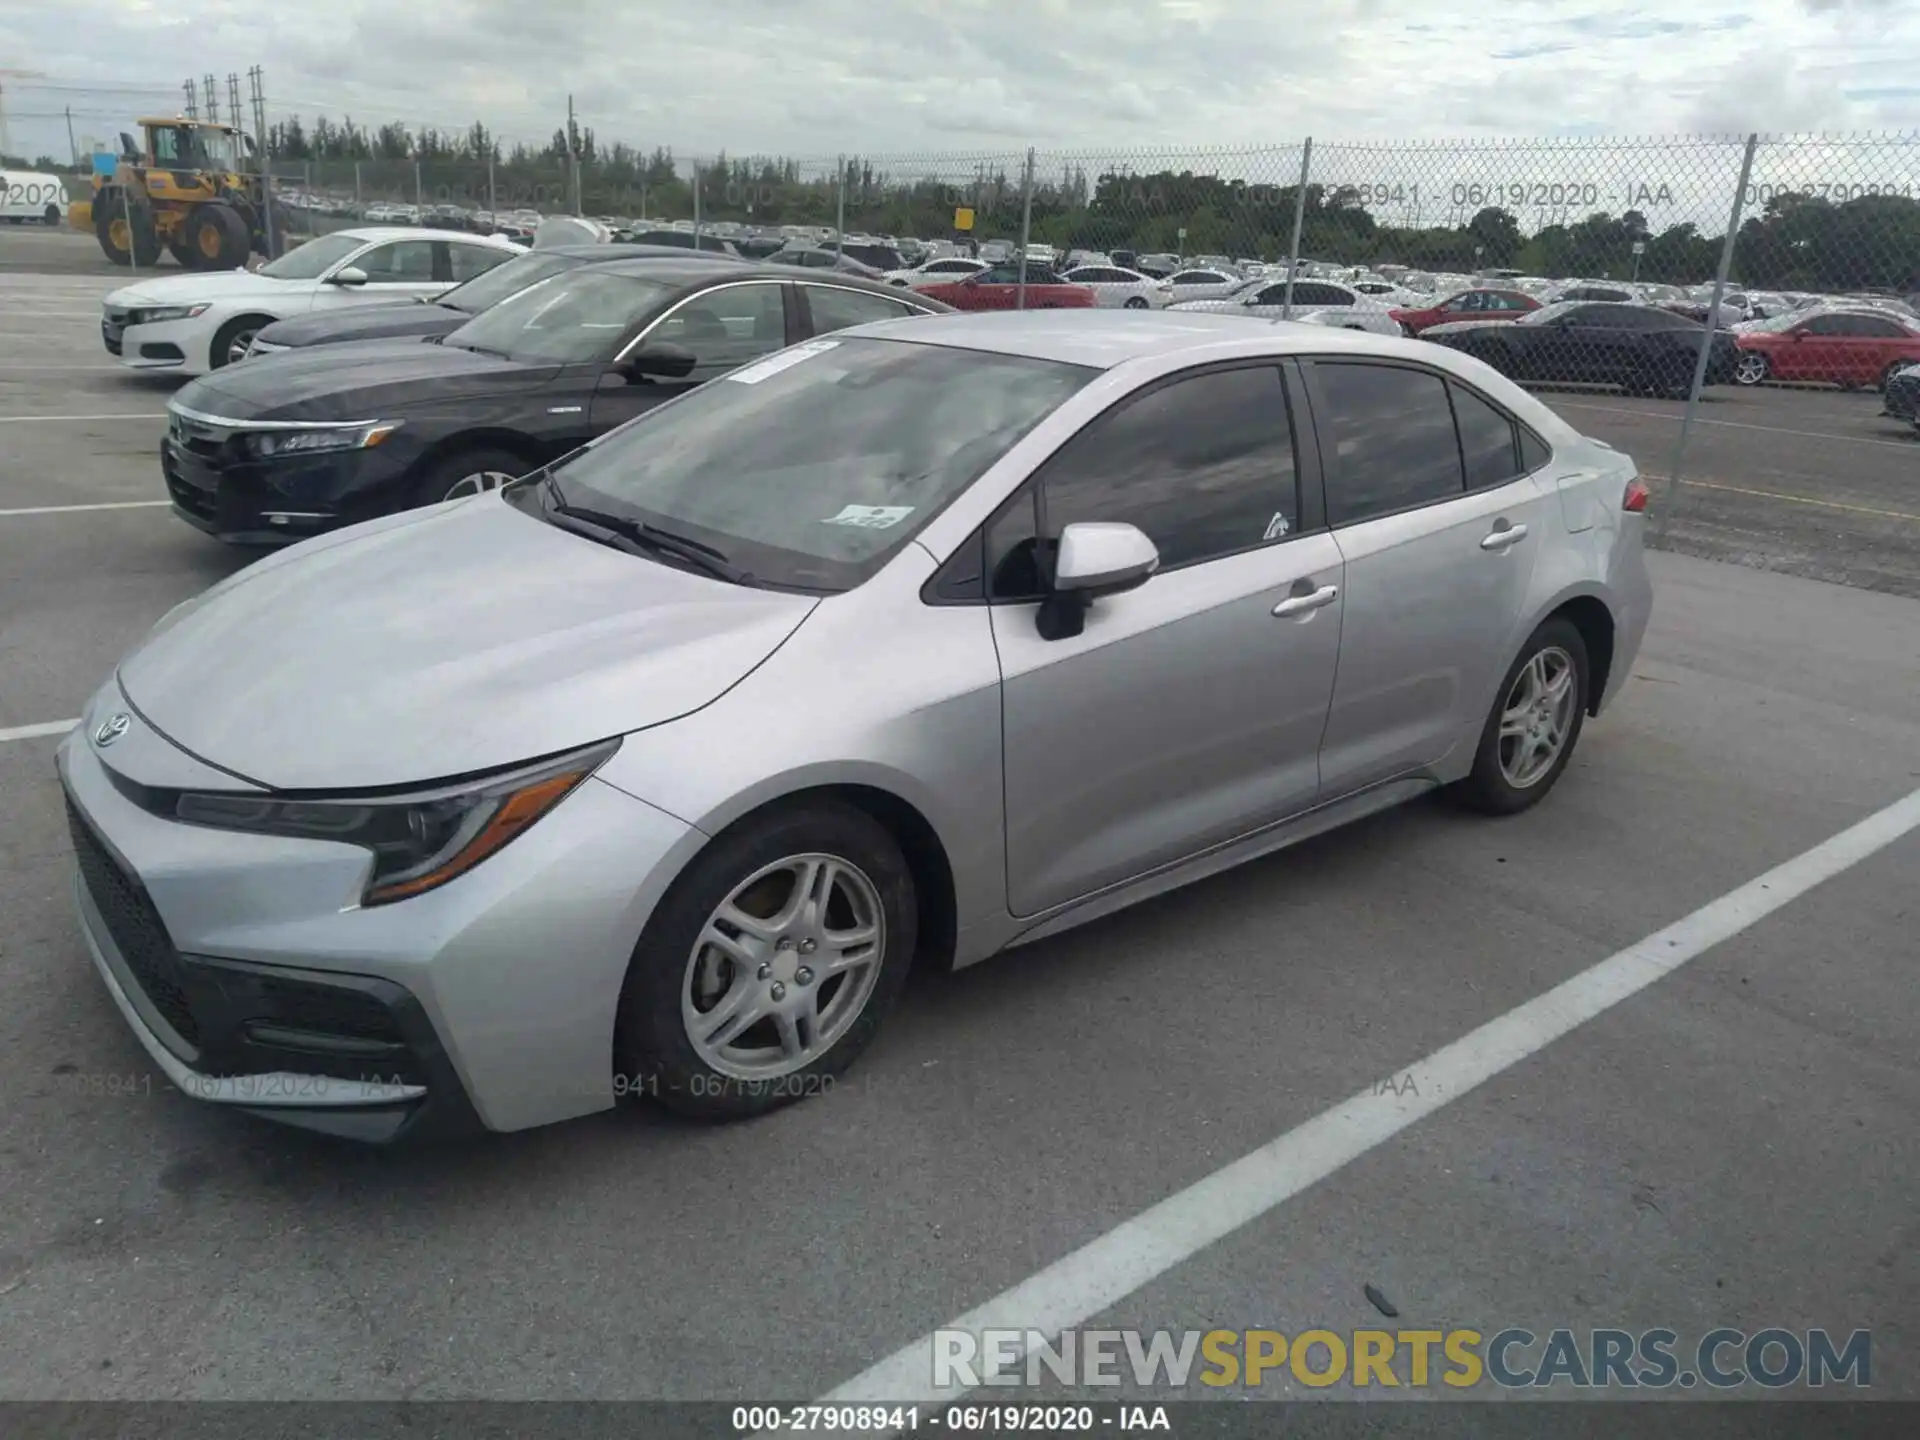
x=441 y=642
x=205 y=285
x=341 y=382
x=364 y=322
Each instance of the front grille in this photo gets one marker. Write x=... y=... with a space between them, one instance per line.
x=136 y=928
x=197 y=436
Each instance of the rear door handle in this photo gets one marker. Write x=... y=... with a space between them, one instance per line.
x=1312 y=600
x=1504 y=536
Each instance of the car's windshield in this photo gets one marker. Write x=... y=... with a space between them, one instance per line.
x=812 y=467
x=313 y=259
x=568 y=318
x=487 y=290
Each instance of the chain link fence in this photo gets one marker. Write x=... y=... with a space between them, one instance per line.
x=1669 y=267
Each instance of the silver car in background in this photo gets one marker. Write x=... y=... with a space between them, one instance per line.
x=920 y=641
x=1314 y=302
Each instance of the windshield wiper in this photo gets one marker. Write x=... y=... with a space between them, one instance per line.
x=650 y=538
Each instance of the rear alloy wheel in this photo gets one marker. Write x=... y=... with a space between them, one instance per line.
x=1751 y=368
x=468 y=472
x=769 y=964
x=1535 y=723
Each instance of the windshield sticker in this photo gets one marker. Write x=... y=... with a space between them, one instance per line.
x=870 y=517
x=785 y=360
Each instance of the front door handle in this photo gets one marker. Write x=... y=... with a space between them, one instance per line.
x=1312 y=600
x=1504 y=536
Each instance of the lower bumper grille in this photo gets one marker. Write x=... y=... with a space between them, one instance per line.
x=136 y=928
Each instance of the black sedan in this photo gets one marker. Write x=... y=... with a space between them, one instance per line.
x=451 y=310
x=1640 y=348
x=1902 y=395
x=307 y=441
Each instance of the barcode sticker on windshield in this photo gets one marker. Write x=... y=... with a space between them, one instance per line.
x=870 y=517
x=762 y=369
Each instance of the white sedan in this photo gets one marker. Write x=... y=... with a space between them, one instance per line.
x=1204 y=284
x=1117 y=288
x=1316 y=302
x=943 y=270
x=201 y=321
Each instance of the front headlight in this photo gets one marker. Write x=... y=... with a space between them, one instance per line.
x=419 y=841
x=157 y=314
x=267 y=443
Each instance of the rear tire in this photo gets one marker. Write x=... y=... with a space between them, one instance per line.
x=1752 y=368
x=467 y=472
x=1136 y=302
x=51 y=216
x=677 y=981
x=1533 y=726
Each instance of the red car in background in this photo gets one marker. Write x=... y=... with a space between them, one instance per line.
x=1844 y=348
x=998 y=288
x=1467 y=305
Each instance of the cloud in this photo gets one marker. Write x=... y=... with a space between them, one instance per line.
x=932 y=77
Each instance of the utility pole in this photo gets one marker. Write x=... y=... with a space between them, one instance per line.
x=193 y=99
x=213 y=98
x=70 y=143
x=233 y=99
x=256 y=78
x=573 y=159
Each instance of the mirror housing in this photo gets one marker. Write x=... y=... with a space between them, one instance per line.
x=671 y=362
x=349 y=275
x=1093 y=559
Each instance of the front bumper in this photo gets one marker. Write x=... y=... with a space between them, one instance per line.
x=217 y=487
x=177 y=345
x=249 y=972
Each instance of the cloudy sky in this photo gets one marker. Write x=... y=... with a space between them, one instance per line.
x=915 y=77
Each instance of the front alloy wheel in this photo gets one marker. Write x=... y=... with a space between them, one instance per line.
x=478 y=483
x=1751 y=368
x=783 y=967
x=768 y=965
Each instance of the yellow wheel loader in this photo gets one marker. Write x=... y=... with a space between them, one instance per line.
x=189 y=192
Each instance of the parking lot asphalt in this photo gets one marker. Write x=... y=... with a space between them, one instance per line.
x=1731 y=1146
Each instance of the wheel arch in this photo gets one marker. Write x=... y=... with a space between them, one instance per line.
x=236 y=321
x=486 y=437
x=1590 y=614
x=935 y=894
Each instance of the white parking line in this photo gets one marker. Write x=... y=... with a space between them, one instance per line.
x=1740 y=425
x=30 y=732
x=71 y=509
x=55 y=419
x=1099 y=1274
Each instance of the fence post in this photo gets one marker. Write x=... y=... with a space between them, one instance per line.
x=1665 y=513
x=272 y=225
x=840 y=204
x=419 y=197
x=1026 y=228
x=696 y=204
x=1299 y=219
x=356 y=183
x=133 y=247
x=493 y=214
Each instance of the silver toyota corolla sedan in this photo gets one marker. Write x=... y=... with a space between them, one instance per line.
x=651 y=773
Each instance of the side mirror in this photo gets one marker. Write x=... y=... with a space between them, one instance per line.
x=1093 y=559
x=349 y=275
x=671 y=362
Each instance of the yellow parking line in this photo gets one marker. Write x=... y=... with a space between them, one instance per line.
x=1794 y=499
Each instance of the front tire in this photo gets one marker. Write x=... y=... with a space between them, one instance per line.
x=231 y=341
x=769 y=964
x=1136 y=302
x=468 y=472
x=1534 y=724
x=1752 y=368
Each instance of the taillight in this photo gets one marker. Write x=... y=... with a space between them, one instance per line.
x=1636 y=497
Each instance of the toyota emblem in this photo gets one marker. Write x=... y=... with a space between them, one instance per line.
x=112 y=728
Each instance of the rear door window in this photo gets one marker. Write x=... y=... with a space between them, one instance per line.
x=1389 y=437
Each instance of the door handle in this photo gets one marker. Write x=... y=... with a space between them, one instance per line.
x=1312 y=600
x=1504 y=536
